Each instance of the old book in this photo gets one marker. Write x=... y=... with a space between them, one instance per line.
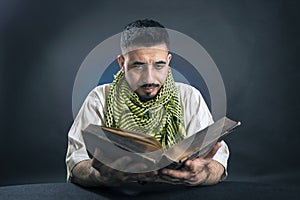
x=116 y=143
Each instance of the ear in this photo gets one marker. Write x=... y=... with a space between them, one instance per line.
x=121 y=61
x=169 y=58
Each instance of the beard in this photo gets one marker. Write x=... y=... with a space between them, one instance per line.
x=148 y=96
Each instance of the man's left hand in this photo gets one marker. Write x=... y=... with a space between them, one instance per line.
x=198 y=171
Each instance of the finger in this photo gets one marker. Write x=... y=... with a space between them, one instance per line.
x=121 y=163
x=178 y=174
x=211 y=154
x=96 y=164
x=136 y=167
x=196 y=166
x=149 y=176
x=102 y=156
x=99 y=159
x=188 y=165
x=169 y=180
x=98 y=153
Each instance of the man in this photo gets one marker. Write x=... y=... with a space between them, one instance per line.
x=144 y=97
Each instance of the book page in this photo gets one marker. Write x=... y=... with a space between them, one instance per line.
x=124 y=137
x=130 y=141
x=201 y=142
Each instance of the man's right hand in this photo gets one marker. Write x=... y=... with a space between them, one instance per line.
x=94 y=173
x=110 y=176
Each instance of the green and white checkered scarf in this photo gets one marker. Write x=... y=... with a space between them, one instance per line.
x=160 y=117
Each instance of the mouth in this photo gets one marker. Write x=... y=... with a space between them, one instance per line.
x=148 y=88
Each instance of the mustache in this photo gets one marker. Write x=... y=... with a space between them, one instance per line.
x=149 y=85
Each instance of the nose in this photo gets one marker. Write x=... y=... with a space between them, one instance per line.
x=148 y=75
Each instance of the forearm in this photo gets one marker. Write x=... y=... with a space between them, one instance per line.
x=84 y=174
x=91 y=173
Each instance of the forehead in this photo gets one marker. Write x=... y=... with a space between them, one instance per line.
x=140 y=52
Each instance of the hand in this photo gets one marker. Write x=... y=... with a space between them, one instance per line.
x=119 y=170
x=195 y=171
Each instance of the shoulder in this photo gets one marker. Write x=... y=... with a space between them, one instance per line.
x=196 y=113
x=98 y=94
x=186 y=91
x=100 y=91
x=183 y=87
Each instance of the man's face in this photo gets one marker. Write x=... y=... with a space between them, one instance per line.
x=146 y=69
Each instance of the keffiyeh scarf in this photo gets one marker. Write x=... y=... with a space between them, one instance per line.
x=160 y=117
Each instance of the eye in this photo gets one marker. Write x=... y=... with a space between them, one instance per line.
x=159 y=65
x=137 y=67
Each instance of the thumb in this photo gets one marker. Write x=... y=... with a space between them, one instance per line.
x=213 y=151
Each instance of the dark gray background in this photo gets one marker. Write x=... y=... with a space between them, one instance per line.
x=254 y=44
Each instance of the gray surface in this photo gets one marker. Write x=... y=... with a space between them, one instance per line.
x=226 y=190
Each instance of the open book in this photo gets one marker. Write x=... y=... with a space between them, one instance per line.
x=116 y=142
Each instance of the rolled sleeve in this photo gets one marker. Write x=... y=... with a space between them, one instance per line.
x=91 y=112
x=222 y=156
x=197 y=117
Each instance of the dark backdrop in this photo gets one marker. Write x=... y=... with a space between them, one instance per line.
x=254 y=44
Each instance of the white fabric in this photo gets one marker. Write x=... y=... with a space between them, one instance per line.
x=196 y=117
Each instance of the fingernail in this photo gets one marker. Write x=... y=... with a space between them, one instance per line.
x=164 y=171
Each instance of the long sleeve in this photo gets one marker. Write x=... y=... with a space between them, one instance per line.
x=91 y=112
x=197 y=117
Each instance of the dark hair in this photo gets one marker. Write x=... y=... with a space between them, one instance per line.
x=145 y=32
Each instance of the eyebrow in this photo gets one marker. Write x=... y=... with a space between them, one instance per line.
x=143 y=63
x=138 y=63
x=160 y=62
